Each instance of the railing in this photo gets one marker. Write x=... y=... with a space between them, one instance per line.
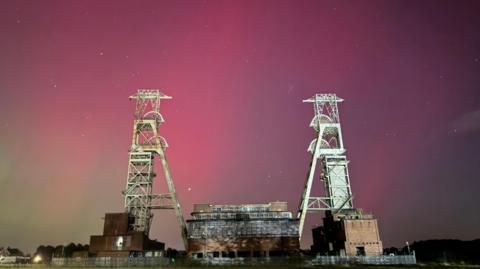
x=110 y=261
x=377 y=260
x=271 y=261
x=258 y=261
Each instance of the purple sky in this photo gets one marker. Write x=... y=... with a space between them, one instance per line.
x=409 y=72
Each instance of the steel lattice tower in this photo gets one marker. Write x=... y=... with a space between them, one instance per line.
x=328 y=148
x=146 y=143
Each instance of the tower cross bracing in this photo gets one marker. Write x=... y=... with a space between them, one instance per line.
x=146 y=144
x=327 y=148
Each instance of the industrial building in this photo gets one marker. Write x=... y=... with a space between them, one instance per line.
x=242 y=230
x=119 y=240
x=126 y=234
x=245 y=230
x=348 y=233
x=147 y=144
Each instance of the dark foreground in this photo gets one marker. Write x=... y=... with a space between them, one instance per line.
x=419 y=266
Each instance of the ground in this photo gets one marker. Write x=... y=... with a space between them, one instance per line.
x=263 y=266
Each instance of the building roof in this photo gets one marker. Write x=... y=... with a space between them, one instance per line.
x=240 y=208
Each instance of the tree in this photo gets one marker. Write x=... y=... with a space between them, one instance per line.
x=15 y=252
x=45 y=252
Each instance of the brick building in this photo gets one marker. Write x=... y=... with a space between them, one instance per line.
x=246 y=230
x=118 y=240
x=348 y=233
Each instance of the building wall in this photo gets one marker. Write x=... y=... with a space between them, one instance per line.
x=135 y=241
x=116 y=223
x=199 y=229
x=350 y=232
x=243 y=247
x=118 y=240
x=113 y=254
x=362 y=233
x=242 y=230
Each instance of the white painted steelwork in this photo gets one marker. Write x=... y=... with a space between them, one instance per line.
x=146 y=143
x=328 y=148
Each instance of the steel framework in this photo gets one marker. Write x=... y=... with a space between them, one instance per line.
x=328 y=148
x=146 y=143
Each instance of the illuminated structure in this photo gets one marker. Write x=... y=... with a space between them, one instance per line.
x=346 y=230
x=146 y=144
x=328 y=148
x=246 y=230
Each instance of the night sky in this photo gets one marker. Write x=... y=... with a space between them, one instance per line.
x=409 y=72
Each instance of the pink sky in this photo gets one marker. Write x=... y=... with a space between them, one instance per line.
x=237 y=129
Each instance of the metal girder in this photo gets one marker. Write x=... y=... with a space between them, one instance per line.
x=146 y=144
x=328 y=148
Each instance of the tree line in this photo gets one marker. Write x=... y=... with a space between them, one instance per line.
x=49 y=252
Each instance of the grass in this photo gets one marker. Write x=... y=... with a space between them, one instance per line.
x=418 y=266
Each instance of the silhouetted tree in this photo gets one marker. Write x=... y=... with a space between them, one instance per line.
x=15 y=252
x=442 y=251
x=58 y=251
x=45 y=252
x=391 y=250
x=171 y=253
x=69 y=249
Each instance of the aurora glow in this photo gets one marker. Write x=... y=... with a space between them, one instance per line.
x=238 y=131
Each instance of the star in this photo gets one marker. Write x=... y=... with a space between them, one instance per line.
x=290 y=88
